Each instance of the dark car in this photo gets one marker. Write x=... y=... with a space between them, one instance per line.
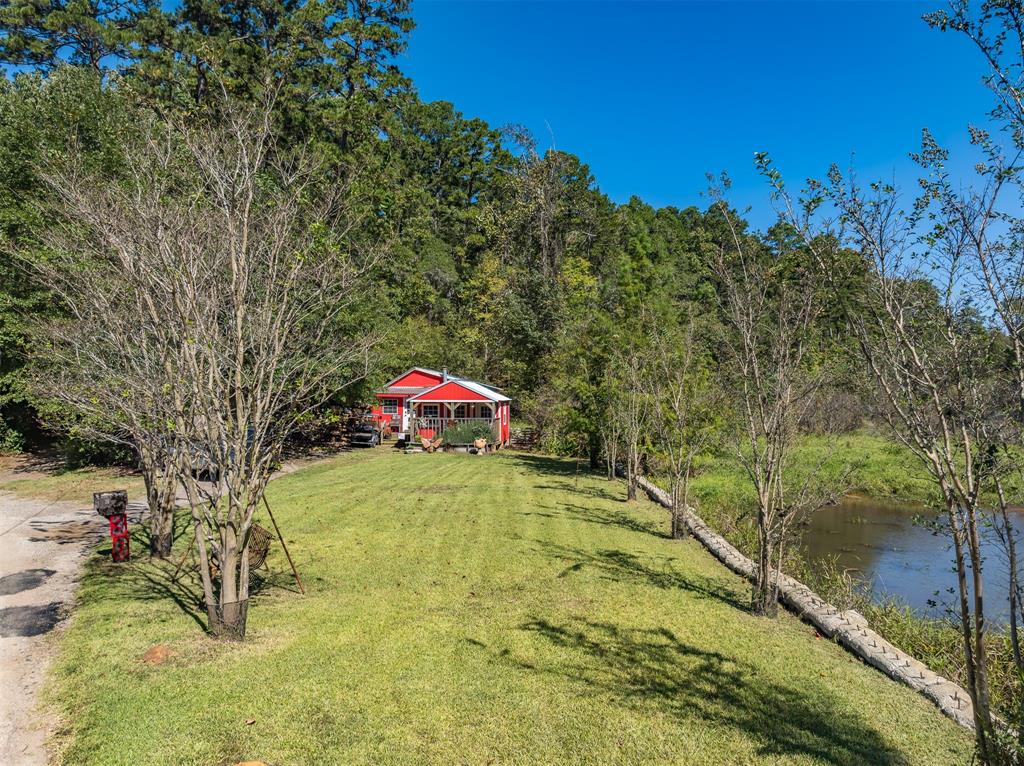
x=365 y=435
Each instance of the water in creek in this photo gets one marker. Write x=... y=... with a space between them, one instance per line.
x=879 y=542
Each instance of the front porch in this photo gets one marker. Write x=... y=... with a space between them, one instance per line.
x=428 y=404
x=430 y=420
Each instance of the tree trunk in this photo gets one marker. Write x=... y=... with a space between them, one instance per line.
x=1018 y=660
x=765 y=600
x=229 y=615
x=161 y=485
x=161 y=526
x=204 y=565
x=986 y=738
x=631 y=469
x=679 y=531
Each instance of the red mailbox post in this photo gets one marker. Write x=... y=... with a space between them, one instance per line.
x=114 y=506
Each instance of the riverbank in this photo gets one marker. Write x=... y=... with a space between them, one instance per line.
x=847 y=628
x=867 y=465
x=862 y=462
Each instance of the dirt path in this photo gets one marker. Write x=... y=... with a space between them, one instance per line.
x=44 y=544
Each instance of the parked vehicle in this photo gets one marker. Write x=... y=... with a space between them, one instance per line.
x=365 y=435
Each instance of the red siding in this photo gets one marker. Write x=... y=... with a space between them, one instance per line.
x=451 y=392
x=396 y=419
x=417 y=379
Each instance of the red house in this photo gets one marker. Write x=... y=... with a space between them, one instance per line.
x=425 y=402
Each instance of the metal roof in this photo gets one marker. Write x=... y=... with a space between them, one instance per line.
x=490 y=392
x=413 y=369
x=472 y=385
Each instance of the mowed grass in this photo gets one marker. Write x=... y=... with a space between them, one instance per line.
x=56 y=483
x=474 y=610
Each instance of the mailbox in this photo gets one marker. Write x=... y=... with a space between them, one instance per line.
x=114 y=507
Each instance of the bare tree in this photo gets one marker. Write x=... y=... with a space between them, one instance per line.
x=986 y=216
x=771 y=302
x=250 y=258
x=102 y=359
x=610 y=436
x=686 y=408
x=630 y=406
x=982 y=222
x=934 y=359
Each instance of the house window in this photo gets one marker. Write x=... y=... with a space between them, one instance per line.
x=485 y=411
x=460 y=411
x=429 y=411
x=389 y=406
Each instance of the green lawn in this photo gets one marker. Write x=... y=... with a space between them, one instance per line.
x=475 y=610
x=862 y=462
x=74 y=485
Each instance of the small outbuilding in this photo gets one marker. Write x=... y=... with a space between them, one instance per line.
x=425 y=402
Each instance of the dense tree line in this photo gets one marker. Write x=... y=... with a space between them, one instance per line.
x=507 y=259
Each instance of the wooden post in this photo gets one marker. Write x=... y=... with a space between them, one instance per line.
x=283 y=546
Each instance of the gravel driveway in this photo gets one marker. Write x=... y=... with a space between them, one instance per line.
x=44 y=545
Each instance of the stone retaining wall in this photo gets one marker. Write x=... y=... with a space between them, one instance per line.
x=849 y=628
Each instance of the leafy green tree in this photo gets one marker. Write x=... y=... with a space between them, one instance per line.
x=37 y=116
x=334 y=59
x=43 y=34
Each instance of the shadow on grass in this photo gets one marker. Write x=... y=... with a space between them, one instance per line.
x=622 y=566
x=609 y=517
x=143 y=580
x=56 y=463
x=566 y=474
x=598 y=493
x=553 y=466
x=652 y=669
x=50 y=462
x=146 y=579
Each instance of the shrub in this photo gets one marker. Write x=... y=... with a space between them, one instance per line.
x=467 y=433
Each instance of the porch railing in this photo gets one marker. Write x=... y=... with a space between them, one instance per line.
x=438 y=425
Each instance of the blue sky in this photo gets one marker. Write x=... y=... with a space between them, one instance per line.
x=653 y=95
